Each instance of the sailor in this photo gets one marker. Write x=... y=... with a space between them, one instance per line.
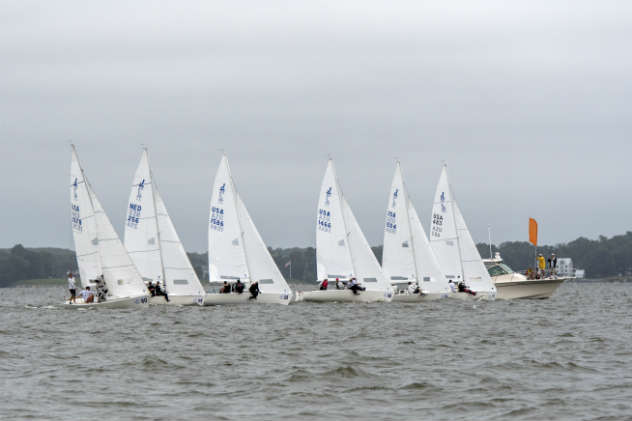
x=225 y=289
x=254 y=290
x=152 y=288
x=541 y=264
x=87 y=295
x=324 y=284
x=239 y=287
x=354 y=286
x=102 y=289
x=338 y=285
x=553 y=263
x=465 y=288
x=160 y=291
x=411 y=288
x=452 y=286
x=72 y=288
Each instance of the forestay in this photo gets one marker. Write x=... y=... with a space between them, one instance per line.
x=452 y=243
x=152 y=240
x=119 y=273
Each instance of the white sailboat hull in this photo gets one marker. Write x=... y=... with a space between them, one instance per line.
x=528 y=288
x=345 y=296
x=124 y=302
x=418 y=298
x=480 y=296
x=178 y=300
x=213 y=299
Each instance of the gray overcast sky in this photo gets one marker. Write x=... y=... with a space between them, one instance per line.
x=528 y=102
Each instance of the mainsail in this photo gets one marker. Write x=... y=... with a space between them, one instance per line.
x=407 y=255
x=236 y=249
x=452 y=242
x=342 y=250
x=152 y=240
x=98 y=247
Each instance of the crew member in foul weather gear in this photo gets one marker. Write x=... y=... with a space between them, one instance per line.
x=324 y=284
x=541 y=265
x=87 y=295
x=239 y=287
x=355 y=287
x=225 y=289
x=411 y=288
x=254 y=290
x=72 y=288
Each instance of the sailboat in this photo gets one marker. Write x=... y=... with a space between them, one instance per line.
x=342 y=251
x=454 y=247
x=236 y=250
x=407 y=258
x=153 y=243
x=103 y=262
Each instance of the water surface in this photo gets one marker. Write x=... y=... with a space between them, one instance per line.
x=568 y=357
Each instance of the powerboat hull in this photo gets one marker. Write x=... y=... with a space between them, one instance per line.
x=124 y=302
x=178 y=300
x=345 y=296
x=528 y=288
x=214 y=299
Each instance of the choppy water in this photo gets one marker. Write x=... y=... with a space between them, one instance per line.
x=564 y=358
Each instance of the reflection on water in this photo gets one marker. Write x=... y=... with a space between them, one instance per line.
x=564 y=358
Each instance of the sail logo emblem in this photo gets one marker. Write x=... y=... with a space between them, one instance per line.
x=395 y=194
x=222 y=190
x=139 y=192
x=443 y=208
x=75 y=186
x=328 y=194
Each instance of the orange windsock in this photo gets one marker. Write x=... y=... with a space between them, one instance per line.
x=533 y=231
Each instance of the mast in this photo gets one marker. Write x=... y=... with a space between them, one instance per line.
x=410 y=231
x=154 y=189
x=89 y=191
x=344 y=220
x=241 y=231
x=456 y=229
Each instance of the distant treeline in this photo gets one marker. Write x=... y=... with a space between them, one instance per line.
x=603 y=257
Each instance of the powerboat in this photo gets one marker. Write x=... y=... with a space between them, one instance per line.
x=511 y=285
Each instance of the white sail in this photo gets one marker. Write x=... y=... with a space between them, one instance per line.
x=152 y=240
x=227 y=258
x=260 y=263
x=366 y=267
x=119 y=273
x=428 y=270
x=452 y=243
x=236 y=249
x=398 y=257
x=141 y=228
x=475 y=273
x=333 y=258
x=407 y=254
x=84 y=230
x=342 y=250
